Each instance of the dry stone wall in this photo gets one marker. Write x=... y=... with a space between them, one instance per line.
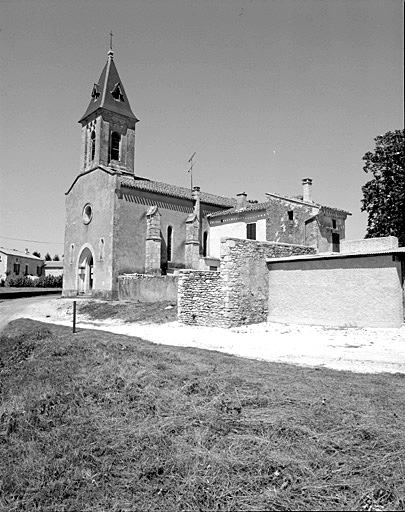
x=200 y=298
x=238 y=293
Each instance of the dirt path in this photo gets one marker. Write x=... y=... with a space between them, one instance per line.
x=355 y=349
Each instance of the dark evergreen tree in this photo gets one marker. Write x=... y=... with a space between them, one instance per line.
x=384 y=195
x=56 y=258
x=48 y=257
x=37 y=254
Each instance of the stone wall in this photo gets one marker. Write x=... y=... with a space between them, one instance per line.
x=200 y=298
x=147 y=288
x=238 y=293
x=279 y=227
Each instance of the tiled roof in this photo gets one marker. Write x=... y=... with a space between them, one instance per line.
x=250 y=207
x=54 y=264
x=13 y=252
x=306 y=203
x=174 y=191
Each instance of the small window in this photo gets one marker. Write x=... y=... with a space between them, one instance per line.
x=93 y=145
x=16 y=268
x=101 y=249
x=87 y=213
x=169 y=243
x=251 y=231
x=72 y=252
x=39 y=271
x=115 y=146
x=117 y=93
x=333 y=223
x=26 y=269
x=290 y=215
x=95 y=93
x=205 y=243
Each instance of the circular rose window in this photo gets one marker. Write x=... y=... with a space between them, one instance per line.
x=87 y=213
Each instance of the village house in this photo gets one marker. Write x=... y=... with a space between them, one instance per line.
x=14 y=264
x=296 y=220
x=53 y=268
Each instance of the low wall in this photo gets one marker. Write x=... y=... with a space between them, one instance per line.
x=147 y=288
x=238 y=293
x=361 y=291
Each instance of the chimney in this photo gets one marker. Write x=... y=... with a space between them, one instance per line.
x=307 y=190
x=27 y=251
x=241 y=200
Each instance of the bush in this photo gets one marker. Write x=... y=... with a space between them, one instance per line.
x=21 y=282
x=49 y=282
x=42 y=282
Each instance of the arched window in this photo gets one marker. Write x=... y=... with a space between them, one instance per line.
x=101 y=249
x=72 y=251
x=169 y=243
x=93 y=145
x=205 y=243
x=115 y=146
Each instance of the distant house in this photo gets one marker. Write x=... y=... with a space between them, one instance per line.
x=14 y=264
x=53 y=268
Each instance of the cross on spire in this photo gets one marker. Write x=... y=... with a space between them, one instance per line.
x=111 y=36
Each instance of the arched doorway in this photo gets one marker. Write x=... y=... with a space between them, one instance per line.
x=85 y=272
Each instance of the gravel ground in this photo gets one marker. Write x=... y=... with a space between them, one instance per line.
x=363 y=350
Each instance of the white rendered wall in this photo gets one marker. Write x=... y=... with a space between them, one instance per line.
x=233 y=230
x=364 y=291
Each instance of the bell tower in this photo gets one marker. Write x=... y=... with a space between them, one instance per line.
x=108 y=125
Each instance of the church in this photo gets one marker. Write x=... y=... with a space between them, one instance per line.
x=118 y=222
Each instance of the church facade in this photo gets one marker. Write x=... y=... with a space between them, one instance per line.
x=119 y=223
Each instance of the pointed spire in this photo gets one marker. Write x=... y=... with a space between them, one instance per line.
x=109 y=93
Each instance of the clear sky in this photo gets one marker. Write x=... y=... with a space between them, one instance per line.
x=266 y=93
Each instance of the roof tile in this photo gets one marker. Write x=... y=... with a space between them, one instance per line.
x=159 y=187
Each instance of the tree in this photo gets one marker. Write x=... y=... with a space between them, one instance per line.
x=48 y=257
x=384 y=196
x=56 y=258
x=37 y=254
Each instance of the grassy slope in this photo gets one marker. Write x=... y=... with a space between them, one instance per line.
x=96 y=421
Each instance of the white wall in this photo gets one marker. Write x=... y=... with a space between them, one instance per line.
x=364 y=291
x=233 y=230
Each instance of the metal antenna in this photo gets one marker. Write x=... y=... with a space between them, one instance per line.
x=191 y=162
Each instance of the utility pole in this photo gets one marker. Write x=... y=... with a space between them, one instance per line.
x=191 y=162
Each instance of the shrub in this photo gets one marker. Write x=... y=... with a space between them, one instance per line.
x=49 y=282
x=21 y=282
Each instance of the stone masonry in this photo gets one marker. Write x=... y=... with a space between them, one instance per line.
x=238 y=293
x=153 y=241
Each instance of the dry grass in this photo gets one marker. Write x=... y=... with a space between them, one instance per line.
x=156 y=312
x=96 y=421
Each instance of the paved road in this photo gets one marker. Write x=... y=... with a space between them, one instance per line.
x=10 y=309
